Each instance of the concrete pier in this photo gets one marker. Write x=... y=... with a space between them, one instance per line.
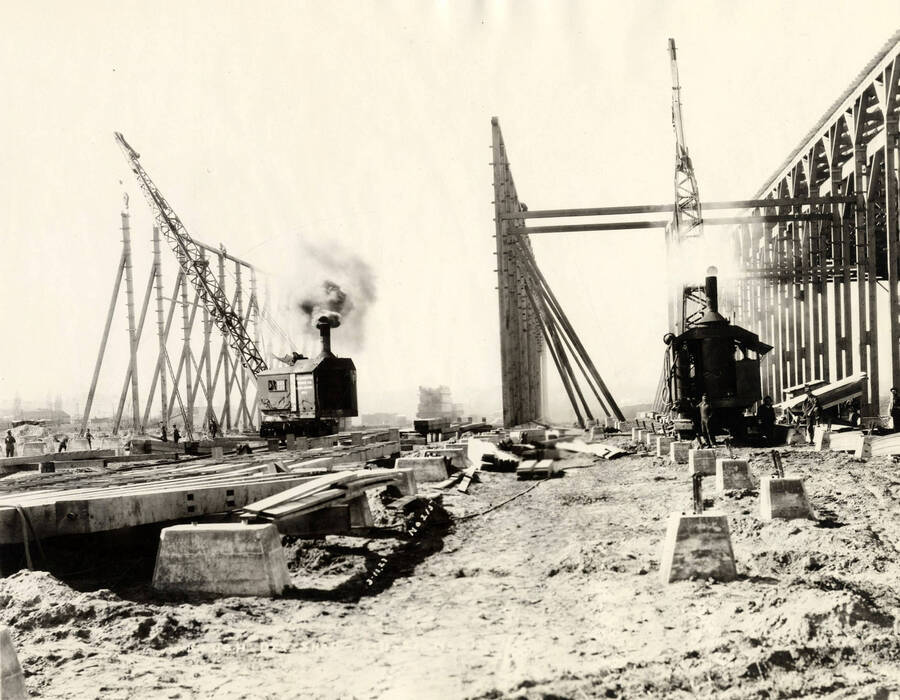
x=732 y=474
x=697 y=546
x=678 y=451
x=221 y=559
x=702 y=462
x=783 y=498
x=424 y=468
x=662 y=445
x=12 y=680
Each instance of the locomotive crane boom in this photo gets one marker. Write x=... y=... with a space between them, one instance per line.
x=688 y=215
x=195 y=266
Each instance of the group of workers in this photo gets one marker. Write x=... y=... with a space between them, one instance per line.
x=810 y=416
x=213 y=428
x=63 y=445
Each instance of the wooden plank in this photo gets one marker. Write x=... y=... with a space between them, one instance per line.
x=81 y=514
x=467 y=477
x=54 y=456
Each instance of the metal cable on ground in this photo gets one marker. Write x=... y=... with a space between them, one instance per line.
x=502 y=503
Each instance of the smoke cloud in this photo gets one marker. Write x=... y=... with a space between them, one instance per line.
x=335 y=283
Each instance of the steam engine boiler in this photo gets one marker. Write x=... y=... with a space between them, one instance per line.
x=716 y=358
x=311 y=395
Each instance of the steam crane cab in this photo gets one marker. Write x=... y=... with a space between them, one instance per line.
x=718 y=359
x=310 y=396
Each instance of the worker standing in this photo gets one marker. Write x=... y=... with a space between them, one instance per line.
x=895 y=409
x=176 y=436
x=89 y=438
x=10 y=444
x=811 y=414
x=163 y=433
x=705 y=420
x=64 y=443
x=765 y=414
x=213 y=427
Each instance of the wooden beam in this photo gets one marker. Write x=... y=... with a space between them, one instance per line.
x=669 y=208
x=632 y=225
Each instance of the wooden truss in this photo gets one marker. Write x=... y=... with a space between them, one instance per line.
x=821 y=231
x=210 y=374
x=814 y=287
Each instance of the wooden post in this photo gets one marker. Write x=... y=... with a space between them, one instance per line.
x=132 y=332
x=159 y=372
x=162 y=334
x=187 y=318
x=893 y=240
x=105 y=337
x=872 y=279
x=859 y=187
x=225 y=418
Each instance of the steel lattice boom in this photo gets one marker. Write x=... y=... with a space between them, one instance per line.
x=195 y=266
x=688 y=215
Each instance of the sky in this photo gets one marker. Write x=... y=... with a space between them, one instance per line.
x=293 y=132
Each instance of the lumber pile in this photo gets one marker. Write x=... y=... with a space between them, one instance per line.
x=597 y=449
x=538 y=469
x=317 y=493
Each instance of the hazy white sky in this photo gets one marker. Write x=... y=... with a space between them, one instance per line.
x=366 y=126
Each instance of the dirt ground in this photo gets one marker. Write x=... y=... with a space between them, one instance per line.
x=555 y=594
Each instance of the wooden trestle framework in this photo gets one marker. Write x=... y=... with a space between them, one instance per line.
x=531 y=318
x=814 y=288
x=210 y=375
x=817 y=252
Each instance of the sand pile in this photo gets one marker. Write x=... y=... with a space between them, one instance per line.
x=39 y=607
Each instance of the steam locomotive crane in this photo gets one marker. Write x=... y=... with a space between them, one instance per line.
x=711 y=356
x=309 y=396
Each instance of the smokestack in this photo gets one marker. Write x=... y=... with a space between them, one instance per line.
x=324 y=326
x=712 y=289
x=712 y=315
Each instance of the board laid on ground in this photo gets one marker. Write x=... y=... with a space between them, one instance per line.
x=597 y=449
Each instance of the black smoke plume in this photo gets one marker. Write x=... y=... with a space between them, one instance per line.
x=343 y=296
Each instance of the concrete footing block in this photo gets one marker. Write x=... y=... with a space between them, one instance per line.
x=863 y=448
x=678 y=451
x=634 y=434
x=697 y=546
x=783 y=498
x=822 y=438
x=702 y=462
x=360 y=512
x=218 y=452
x=407 y=486
x=662 y=445
x=650 y=439
x=12 y=680
x=32 y=449
x=424 y=468
x=732 y=474
x=221 y=559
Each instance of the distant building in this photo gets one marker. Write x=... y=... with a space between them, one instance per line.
x=45 y=415
x=435 y=402
x=383 y=420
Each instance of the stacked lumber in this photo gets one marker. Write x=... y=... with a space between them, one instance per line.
x=338 y=488
x=597 y=449
x=537 y=469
